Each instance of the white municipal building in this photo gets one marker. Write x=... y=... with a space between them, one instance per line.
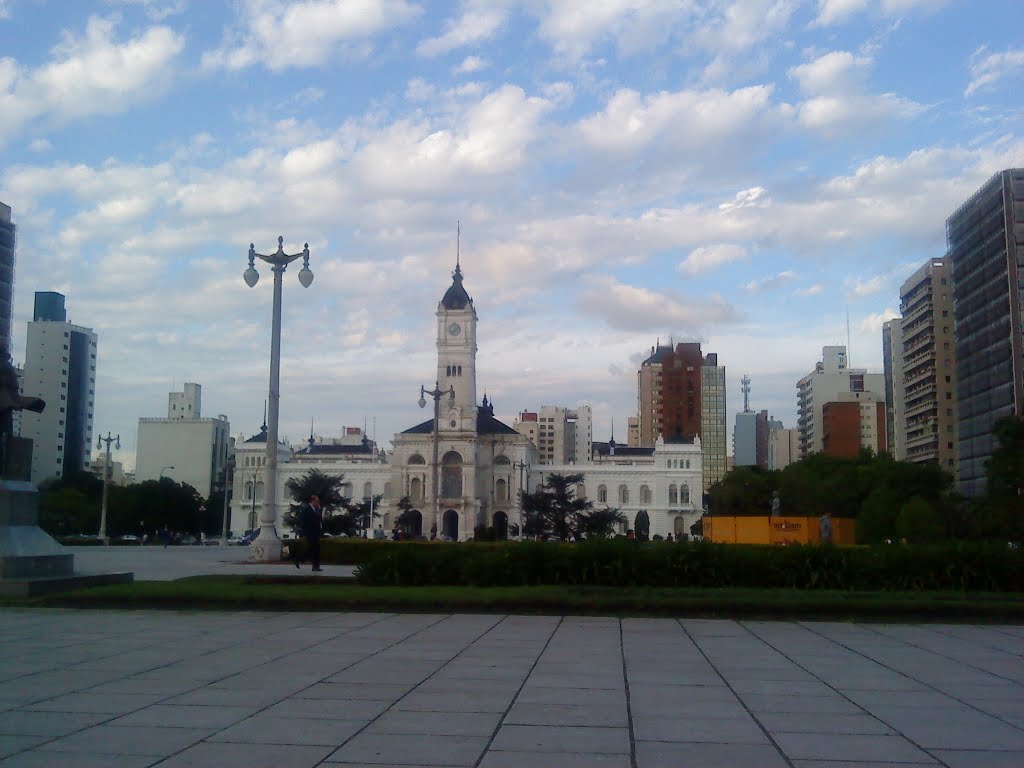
x=482 y=462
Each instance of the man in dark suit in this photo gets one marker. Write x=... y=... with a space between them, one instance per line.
x=311 y=523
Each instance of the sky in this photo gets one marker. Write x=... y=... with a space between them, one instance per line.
x=756 y=175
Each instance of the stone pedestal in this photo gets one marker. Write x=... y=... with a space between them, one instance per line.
x=30 y=561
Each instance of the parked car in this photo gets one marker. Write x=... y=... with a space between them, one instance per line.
x=235 y=540
x=188 y=540
x=128 y=538
x=215 y=542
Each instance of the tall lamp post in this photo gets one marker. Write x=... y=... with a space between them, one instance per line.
x=267 y=545
x=229 y=473
x=106 y=478
x=522 y=466
x=252 y=515
x=437 y=393
x=161 y=471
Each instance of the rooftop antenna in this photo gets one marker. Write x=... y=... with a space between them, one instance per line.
x=264 y=415
x=849 y=354
x=745 y=386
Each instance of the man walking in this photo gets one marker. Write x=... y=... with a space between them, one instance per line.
x=311 y=523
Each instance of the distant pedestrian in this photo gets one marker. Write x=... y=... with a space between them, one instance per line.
x=670 y=538
x=311 y=525
x=165 y=534
x=825 y=528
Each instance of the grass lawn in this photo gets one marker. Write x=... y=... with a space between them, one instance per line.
x=331 y=594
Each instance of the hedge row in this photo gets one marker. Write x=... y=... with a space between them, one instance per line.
x=616 y=563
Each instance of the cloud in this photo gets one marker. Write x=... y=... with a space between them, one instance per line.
x=479 y=22
x=707 y=258
x=770 y=283
x=40 y=145
x=837 y=98
x=988 y=68
x=88 y=75
x=872 y=324
x=632 y=308
x=868 y=287
x=157 y=10
x=811 y=290
x=831 y=12
x=282 y=36
x=574 y=29
x=470 y=64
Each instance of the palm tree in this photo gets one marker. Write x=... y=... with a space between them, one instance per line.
x=315 y=483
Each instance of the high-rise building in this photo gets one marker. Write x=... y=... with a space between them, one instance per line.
x=60 y=368
x=853 y=421
x=892 y=357
x=924 y=378
x=8 y=240
x=783 y=446
x=188 y=449
x=985 y=239
x=681 y=395
x=562 y=435
x=832 y=381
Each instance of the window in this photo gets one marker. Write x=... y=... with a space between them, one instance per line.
x=623 y=494
x=673 y=494
x=645 y=494
x=501 y=491
x=367 y=490
x=602 y=494
x=451 y=475
x=684 y=494
x=416 y=459
x=416 y=489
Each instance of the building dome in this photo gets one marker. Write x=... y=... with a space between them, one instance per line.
x=456 y=297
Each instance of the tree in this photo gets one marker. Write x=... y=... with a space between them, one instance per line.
x=1000 y=513
x=406 y=514
x=552 y=509
x=360 y=514
x=919 y=523
x=337 y=516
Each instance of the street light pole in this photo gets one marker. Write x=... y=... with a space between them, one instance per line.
x=252 y=515
x=229 y=467
x=161 y=471
x=106 y=478
x=267 y=546
x=437 y=393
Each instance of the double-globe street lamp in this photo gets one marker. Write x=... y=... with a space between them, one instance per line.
x=267 y=545
x=437 y=393
x=106 y=478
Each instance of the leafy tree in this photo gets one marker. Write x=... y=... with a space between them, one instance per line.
x=66 y=511
x=553 y=509
x=337 y=516
x=1000 y=513
x=406 y=515
x=919 y=523
x=358 y=515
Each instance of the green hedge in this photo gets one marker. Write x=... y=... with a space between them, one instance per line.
x=617 y=563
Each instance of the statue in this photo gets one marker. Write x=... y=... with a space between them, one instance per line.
x=776 y=504
x=12 y=464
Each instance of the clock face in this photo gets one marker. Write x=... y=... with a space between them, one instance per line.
x=454 y=329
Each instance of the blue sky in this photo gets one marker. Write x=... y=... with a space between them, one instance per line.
x=745 y=173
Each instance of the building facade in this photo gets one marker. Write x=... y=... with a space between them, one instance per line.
x=851 y=422
x=714 y=436
x=892 y=358
x=783 y=446
x=561 y=435
x=830 y=382
x=924 y=389
x=985 y=239
x=8 y=242
x=60 y=368
x=190 y=449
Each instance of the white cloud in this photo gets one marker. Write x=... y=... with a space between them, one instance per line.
x=281 y=36
x=479 y=22
x=872 y=324
x=470 y=64
x=40 y=145
x=770 y=283
x=811 y=290
x=838 y=98
x=573 y=29
x=740 y=24
x=158 y=10
x=872 y=285
x=831 y=12
x=707 y=258
x=988 y=68
x=633 y=308
x=88 y=75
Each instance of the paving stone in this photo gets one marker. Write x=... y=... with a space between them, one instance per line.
x=496 y=759
x=538 y=738
x=483 y=701
x=210 y=754
x=660 y=754
x=129 y=740
x=328 y=709
x=855 y=747
x=266 y=729
x=720 y=731
x=185 y=716
x=524 y=713
x=11 y=744
x=40 y=759
x=811 y=705
x=956 y=758
x=863 y=723
x=437 y=723
x=52 y=724
x=402 y=749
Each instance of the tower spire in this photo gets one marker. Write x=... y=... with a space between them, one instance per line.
x=458 y=244
x=311 y=440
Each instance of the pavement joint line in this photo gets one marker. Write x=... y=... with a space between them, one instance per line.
x=832 y=687
x=170 y=696
x=941 y=629
x=519 y=690
x=629 y=707
x=739 y=698
x=920 y=682
x=470 y=644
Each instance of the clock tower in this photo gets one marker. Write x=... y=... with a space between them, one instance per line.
x=456 y=357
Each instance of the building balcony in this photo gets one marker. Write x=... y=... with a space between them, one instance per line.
x=920 y=407
x=913 y=346
x=921 y=356
x=923 y=374
x=918 y=306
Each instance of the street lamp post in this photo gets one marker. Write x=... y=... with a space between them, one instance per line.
x=522 y=467
x=229 y=468
x=252 y=515
x=106 y=478
x=162 y=470
x=267 y=545
x=437 y=393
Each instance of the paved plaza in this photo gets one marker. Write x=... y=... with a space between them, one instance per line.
x=294 y=690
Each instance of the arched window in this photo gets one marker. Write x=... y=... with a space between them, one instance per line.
x=501 y=461
x=346 y=490
x=645 y=494
x=416 y=489
x=416 y=459
x=259 y=491
x=451 y=475
x=460 y=370
x=684 y=494
x=673 y=494
x=581 y=491
x=623 y=494
x=367 y=490
x=687 y=463
x=248 y=491
x=387 y=490
x=602 y=494
x=448 y=371
x=501 y=490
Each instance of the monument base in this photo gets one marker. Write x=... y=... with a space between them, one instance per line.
x=265 y=549
x=31 y=562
